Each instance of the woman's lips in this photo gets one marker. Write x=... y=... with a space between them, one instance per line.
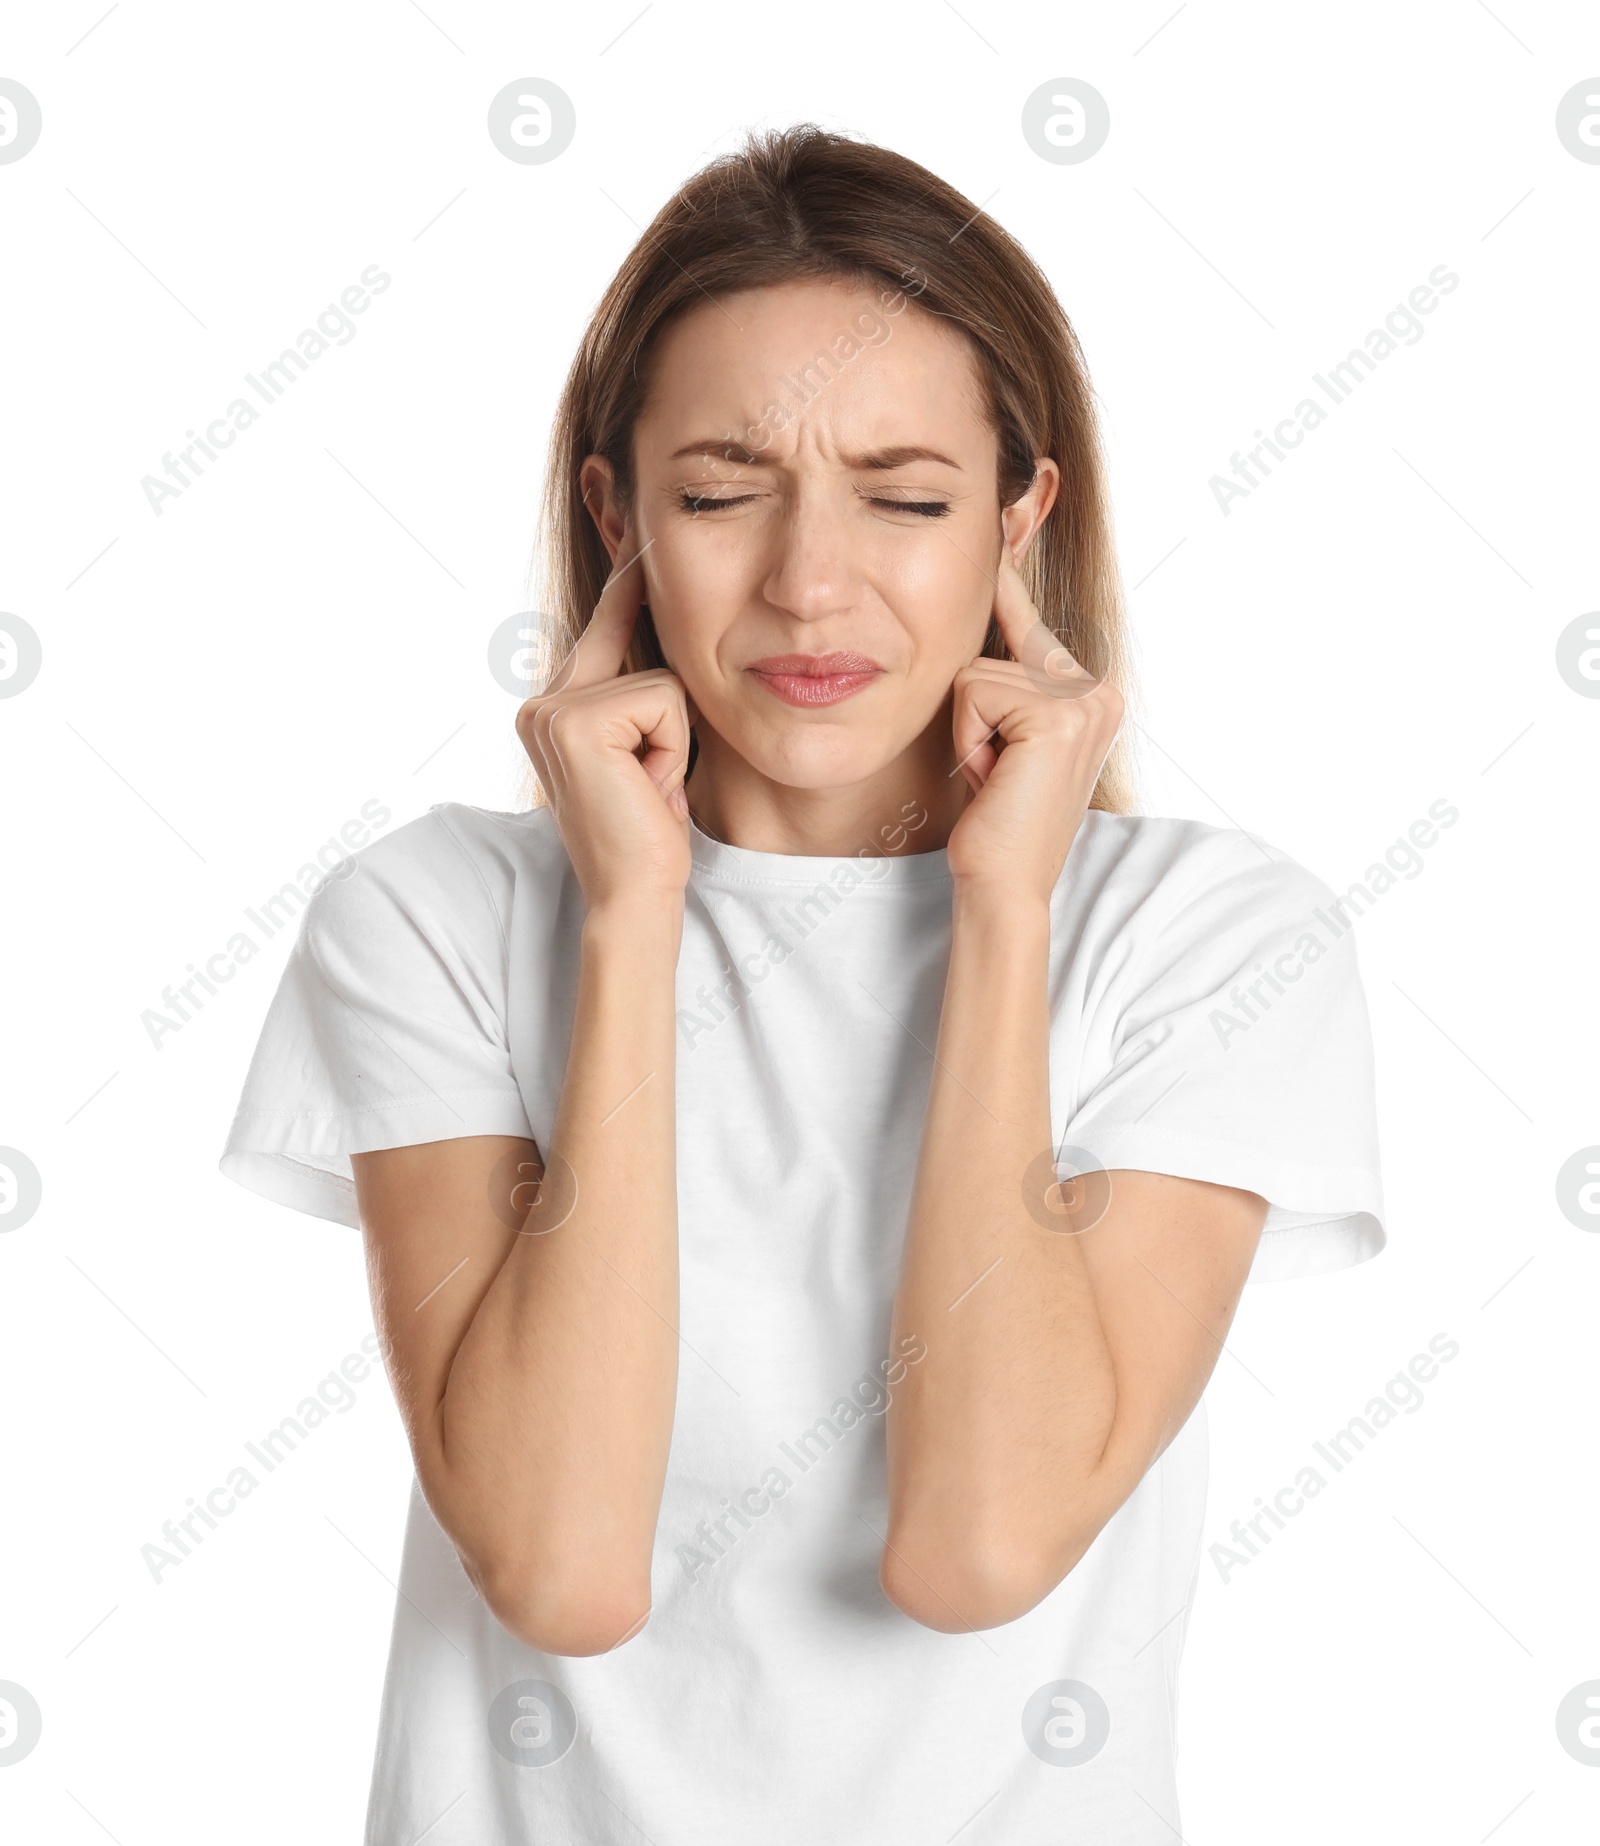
x=815 y=679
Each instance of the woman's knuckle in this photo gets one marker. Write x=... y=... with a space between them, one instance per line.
x=557 y=723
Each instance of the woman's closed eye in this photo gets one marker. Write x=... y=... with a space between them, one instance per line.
x=924 y=509
x=691 y=502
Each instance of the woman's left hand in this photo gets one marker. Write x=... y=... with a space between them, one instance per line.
x=1056 y=725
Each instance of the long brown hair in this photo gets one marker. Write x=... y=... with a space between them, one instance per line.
x=805 y=204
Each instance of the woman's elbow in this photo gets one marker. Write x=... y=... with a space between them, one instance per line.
x=958 y=1584
x=565 y=1595
x=588 y=1615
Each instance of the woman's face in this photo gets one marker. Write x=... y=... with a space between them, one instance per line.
x=817 y=501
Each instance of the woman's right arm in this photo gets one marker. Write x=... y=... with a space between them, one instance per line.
x=536 y=1370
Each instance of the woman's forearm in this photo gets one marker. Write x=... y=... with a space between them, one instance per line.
x=557 y=1414
x=1008 y=1413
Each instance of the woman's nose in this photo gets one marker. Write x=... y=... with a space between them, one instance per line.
x=812 y=573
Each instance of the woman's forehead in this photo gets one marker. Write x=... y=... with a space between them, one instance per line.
x=855 y=367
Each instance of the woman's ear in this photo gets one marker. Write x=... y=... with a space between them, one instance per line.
x=1020 y=522
x=599 y=489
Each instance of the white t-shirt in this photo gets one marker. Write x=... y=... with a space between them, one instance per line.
x=1207 y=1021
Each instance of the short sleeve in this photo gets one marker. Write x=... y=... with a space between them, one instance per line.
x=1241 y=1054
x=387 y=1028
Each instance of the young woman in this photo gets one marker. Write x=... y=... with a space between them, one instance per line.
x=810 y=1162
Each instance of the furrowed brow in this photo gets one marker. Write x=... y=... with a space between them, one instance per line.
x=880 y=461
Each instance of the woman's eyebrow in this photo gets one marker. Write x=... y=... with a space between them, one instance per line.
x=878 y=460
x=724 y=449
x=898 y=457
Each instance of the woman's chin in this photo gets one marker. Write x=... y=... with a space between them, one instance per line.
x=813 y=756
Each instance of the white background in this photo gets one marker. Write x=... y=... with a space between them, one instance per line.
x=225 y=684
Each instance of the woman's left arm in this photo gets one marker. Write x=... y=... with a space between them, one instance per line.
x=1058 y=1363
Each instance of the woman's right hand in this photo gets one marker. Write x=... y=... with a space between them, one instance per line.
x=623 y=816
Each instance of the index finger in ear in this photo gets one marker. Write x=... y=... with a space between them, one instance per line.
x=1034 y=645
x=603 y=645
